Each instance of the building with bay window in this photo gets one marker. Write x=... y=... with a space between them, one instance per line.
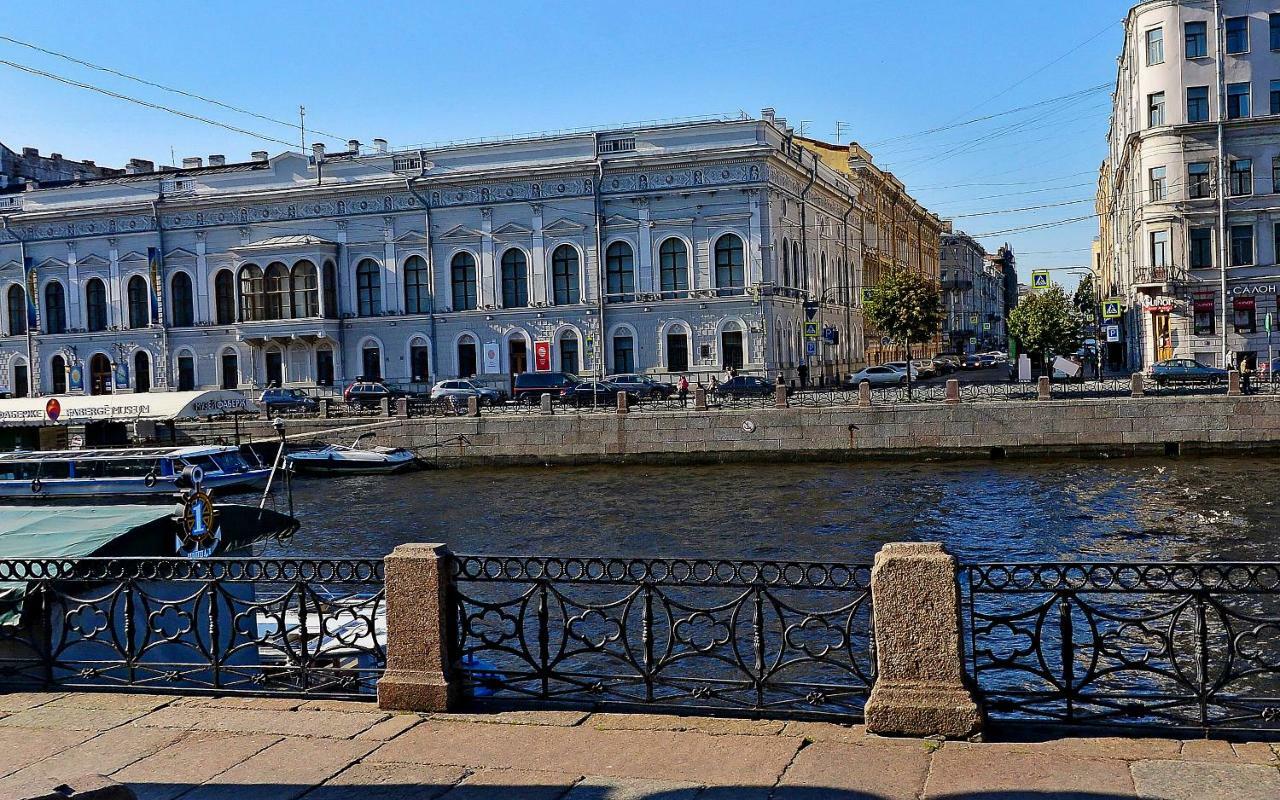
x=1190 y=231
x=683 y=248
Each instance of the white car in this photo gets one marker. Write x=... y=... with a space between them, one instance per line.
x=464 y=389
x=901 y=367
x=878 y=376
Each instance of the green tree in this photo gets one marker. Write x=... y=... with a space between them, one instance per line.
x=1085 y=300
x=907 y=306
x=1046 y=323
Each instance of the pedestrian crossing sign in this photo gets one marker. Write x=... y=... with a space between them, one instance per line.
x=811 y=330
x=986 y=326
x=1040 y=279
x=1112 y=308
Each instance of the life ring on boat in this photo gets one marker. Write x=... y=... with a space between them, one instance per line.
x=149 y=480
x=36 y=486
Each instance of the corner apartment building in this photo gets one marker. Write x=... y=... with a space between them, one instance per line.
x=1188 y=194
x=973 y=294
x=684 y=248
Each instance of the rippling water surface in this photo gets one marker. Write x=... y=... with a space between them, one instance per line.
x=1005 y=510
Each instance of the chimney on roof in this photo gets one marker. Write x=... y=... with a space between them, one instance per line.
x=767 y=114
x=137 y=166
x=88 y=163
x=194 y=162
x=258 y=155
x=167 y=168
x=380 y=145
x=30 y=152
x=217 y=161
x=56 y=156
x=353 y=145
x=317 y=152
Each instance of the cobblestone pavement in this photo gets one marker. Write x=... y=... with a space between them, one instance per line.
x=243 y=749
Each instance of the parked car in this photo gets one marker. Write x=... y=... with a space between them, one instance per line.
x=746 y=386
x=287 y=400
x=987 y=361
x=944 y=366
x=642 y=386
x=924 y=368
x=878 y=376
x=1186 y=370
x=973 y=362
x=367 y=394
x=587 y=393
x=529 y=387
x=901 y=366
x=464 y=389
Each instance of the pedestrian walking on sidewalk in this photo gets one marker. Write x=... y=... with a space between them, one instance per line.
x=1246 y=376
x=803 y=372
x=684 y=390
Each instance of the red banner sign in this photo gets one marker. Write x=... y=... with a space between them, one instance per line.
x=1242 y=303
x=542 y=356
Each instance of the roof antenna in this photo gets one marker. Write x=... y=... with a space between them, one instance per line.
x=173 y=159
x=804 y=126
x=302 y=125
x=840 y=126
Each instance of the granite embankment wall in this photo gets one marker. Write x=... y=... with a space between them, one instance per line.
x=1122 y=426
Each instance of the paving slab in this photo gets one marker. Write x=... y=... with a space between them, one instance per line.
x=389 y=781
x=287 y=769
x=248 y=703
x=826 y=732
x=516 y=784
x=631 y=789
x=970 y=771
x=195 y=758
x=1197 y=780
x=359 y=706
x=656 y=755
x=1113 y=747
x=390 y=728
x=670 y=722
x=70 y=719
x=1208 y=750
x=101 y=755
x=1255 y=753
x=22 y=746
x=564 y=719
x=869 y=770
x=327 y=724
x=112 y=701
x=21 y=701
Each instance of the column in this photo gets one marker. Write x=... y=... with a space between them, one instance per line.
x=203 y=290
x=418 y=675
x=488 y=288
x=540 y=276
x=645 y=281
x=754 y=253
x=113 y=287
x=391 y=297
x=72 y=294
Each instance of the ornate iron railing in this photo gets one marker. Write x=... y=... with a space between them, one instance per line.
x=249 y=626
x=1171 y=644
x=759 y=637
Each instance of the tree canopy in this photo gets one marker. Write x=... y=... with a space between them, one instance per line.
x=1046 y=323
x=905 y=305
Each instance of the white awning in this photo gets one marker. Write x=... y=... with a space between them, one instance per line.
x=77 y=409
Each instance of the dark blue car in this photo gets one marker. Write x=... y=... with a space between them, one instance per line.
x=1186 y=370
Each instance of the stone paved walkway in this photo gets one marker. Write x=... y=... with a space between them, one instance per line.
x=244 y=749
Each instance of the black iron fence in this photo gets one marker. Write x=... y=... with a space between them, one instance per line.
x=246 y=626
x=1194 y=645
x=724 y=636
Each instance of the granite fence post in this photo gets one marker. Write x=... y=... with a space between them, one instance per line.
x=1137 y=384
x=473 y=406
x=623 y=403
x=921 y=688
x=545 y=404
x=418 y=675
x=699 y=399
x=384 y=406
x=953 y=391
x=402 y=407
x=1233 y=383
x=324 y=408
x=864 y=394
x=780 y=396
x=1043 y=389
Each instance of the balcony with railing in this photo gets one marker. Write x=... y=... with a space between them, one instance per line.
x=1160 y=279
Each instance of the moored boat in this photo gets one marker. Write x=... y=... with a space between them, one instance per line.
x=353 y=459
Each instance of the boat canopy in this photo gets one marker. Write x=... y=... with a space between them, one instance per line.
x=70 y=531
x=78 y=409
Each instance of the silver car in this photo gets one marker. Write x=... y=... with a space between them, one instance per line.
x=463 y=389
x=878 y=376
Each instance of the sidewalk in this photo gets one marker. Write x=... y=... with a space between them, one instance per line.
x=244 y=749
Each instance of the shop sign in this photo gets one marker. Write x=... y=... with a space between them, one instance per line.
x=1250 y=289
x=1202 y=305
x=1165 y=309
x=542 y=356
x=1242 y=303
x=492 y=365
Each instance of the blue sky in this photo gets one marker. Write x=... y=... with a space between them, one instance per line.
x=416 y=72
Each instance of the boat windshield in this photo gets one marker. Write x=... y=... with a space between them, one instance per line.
x=122 y=468
x=229 y=462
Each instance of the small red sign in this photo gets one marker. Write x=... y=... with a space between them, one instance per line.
x=53 y=409
x=542 y=356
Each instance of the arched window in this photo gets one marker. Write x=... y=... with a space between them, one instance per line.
x=141 y=372
x=624 y=352
x=673 y=264
x=569 y=352
x=186 y=372
x=515 y=279
x=99 y=374
x=796 y=279
x=729 y=264
x=330 y=279
x=620 y=273
x=371 y=361
x=58 y=375
x=252 y=305
x=306 y=290
x=677 y=349
x=224 y=298
x=419 y=361
x=786 y=263
x=55 y=309
x=417 y=286
x=95 y=301
x=822 y=272
x=184 y=301
x=230 y=369
x=466 y=357
x=463 y=278
x=732 y=349
x=368 y=288
x=139 y=308
x=17 y=306
x=564 y=275
x=276 y=284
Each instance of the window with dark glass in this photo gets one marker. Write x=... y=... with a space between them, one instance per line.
x=252 y=305
x=141 y=372
x=569 y=354
x=1275 y=97
x=22 y=384
x=731 y=350
x=1237 y=100
x=1204 y=316
x=786 y=264
x=463 y=281
x=1241 y=245
x=620 y=273
x=1241 y=177
x=1197 y=104
x=417 y=286
x=17 y=302
x=330 y=280
x=1244 y=314
x=673 y=266
x=515 y=279
x=278 y=292
x=1199 y=180
x=324 y=367
x=623 y=353
x=95 y=300
x=729 y=262
x=1155 y=46
x=1159 y=184
x=371 y=362
x=306 y=290
x=677 y=352
x=231 y=370
x=184 y=301
x=466 y=357
x=139 y=308
x=1200 y=246
x=224 y=298
x=1275 y=31
x=1155 y=109
x=55 y=308
x=564 y=275
x=369 y=288
x=419 y=362
x=1237 y=35
x=1275 y=181
x=1160 y=249
x=186 y=373
x=58 y=378
x=1197 y=35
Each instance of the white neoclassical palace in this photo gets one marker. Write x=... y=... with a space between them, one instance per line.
x=673 y=248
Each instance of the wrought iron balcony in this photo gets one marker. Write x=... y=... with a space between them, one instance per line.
x=1162 y=279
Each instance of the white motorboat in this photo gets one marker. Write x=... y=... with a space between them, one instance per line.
x=353 y=459
x=132 y=474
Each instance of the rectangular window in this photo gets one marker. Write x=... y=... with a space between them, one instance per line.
x=1197 y=40
x=1199 y=183
x=1155 y=110
x=1241 y=177
x=1275 y=237
x=1241 y=245
x=1197 y=104
x=1275 y=178
x=1204 y=316
x=1158 y=184
x=1237 y=100
x=677 y=352
x=1275 y=31
x=1238 y=35
x=1201 y=247
x=1155 y=46
x=1275 y=97
x=1160 y=249
x=1245 y=316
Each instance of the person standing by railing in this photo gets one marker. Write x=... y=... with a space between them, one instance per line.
x=683 y=386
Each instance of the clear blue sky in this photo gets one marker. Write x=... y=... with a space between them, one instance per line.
x=415 y=72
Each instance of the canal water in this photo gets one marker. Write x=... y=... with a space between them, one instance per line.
x=1140 y=509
